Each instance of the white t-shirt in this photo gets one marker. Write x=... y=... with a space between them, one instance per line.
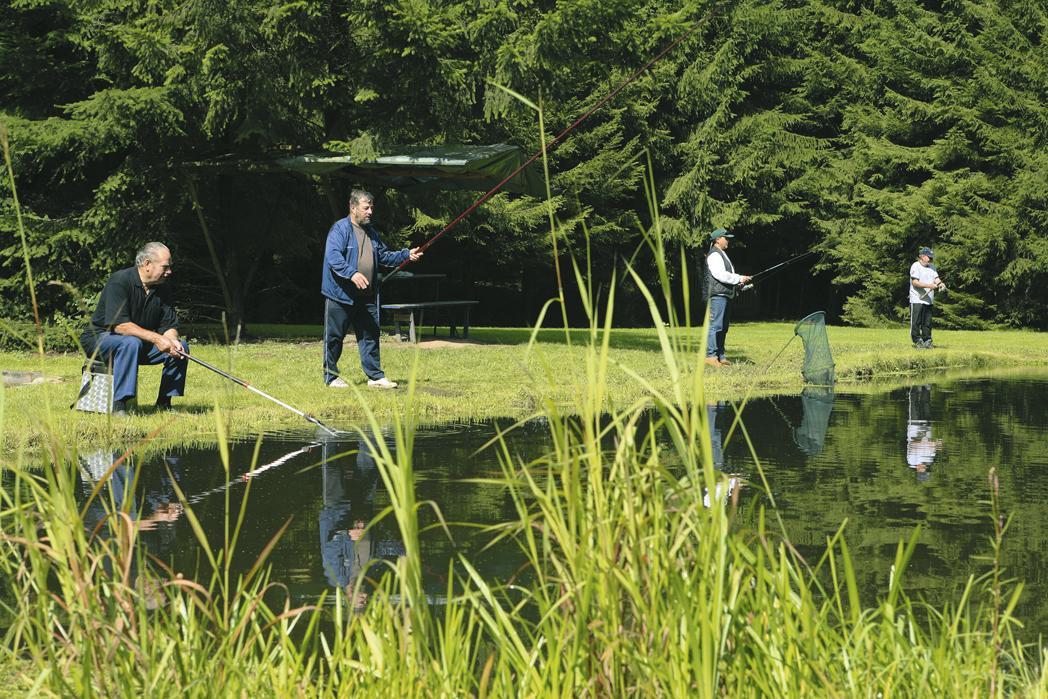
x=925 y=275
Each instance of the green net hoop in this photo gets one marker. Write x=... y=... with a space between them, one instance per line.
x=818 y=360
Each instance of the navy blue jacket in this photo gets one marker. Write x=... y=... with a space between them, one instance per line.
x=340 y=261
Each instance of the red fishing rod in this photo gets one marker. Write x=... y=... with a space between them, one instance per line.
x=607 y=98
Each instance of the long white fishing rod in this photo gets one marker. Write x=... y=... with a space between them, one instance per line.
x=248 y=386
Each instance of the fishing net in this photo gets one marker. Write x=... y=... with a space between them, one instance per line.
x=818 y=360
x=817 y=402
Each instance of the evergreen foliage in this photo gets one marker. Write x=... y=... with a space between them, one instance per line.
x=863 y=129
x=942 y=144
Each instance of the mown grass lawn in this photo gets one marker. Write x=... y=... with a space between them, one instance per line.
x=491 y=375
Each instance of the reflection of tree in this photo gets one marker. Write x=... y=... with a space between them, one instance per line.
x=857 y=478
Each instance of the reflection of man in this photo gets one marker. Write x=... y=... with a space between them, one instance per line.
x=159 y=502
x=345 y=540
x=135 y=324
x=713 y=411
x=118 y=494
x=920 y=447
x=165 y=508
x=723 y=492
x=93 y=468
x=725 y=489
x=350 y=285
x=721 y=282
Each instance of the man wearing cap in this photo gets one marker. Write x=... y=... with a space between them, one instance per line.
x=924 y=281
x=721 y=283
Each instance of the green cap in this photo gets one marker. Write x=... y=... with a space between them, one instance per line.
x=720 y=233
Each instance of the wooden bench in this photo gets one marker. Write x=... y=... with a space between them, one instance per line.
x=414 y=313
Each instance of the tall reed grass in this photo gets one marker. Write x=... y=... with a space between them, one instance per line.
x=638 y=580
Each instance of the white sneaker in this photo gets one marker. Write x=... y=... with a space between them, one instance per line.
x=338 y=383
x=381 y=383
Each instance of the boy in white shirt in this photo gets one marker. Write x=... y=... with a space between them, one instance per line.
x=924 y=281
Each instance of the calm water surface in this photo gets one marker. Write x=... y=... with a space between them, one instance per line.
x=887 y=462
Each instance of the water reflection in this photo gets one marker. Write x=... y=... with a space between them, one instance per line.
x=920 y=447
x=817 y=404
x=348 y=545
x=112 y=478
x=827 y=459
x=111 y=495
x=716 y=415
x=719 y=417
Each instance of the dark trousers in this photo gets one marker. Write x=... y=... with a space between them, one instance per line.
x=125 y=353
x=719 y=323
x=920 y=322
x=362 y=316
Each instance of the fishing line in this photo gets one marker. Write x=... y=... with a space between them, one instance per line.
x=553 y=143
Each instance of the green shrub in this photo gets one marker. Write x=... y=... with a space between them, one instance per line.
x=21 y=336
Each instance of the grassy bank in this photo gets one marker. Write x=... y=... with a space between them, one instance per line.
x=637 y=579
x=497 y=374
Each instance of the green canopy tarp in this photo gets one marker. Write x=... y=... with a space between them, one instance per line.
x=477 y=168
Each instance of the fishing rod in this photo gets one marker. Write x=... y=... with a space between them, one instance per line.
x=548 y=147
x=249 y=387
x=753 y=278
x=782 y=264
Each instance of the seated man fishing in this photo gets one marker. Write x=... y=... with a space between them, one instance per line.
x=135 y=324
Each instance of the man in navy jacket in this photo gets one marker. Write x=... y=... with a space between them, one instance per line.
x=350 y=285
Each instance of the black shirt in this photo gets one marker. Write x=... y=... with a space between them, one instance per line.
x=124 y=300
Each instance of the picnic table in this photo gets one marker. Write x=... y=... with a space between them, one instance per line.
x=413 y=314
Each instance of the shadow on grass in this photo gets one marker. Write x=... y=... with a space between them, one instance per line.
x=150 y=409
x=623 y=338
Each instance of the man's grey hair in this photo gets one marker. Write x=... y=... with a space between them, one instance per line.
x=148 y=252
x=359 y=195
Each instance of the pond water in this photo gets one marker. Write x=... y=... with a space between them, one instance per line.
x=887 y=462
